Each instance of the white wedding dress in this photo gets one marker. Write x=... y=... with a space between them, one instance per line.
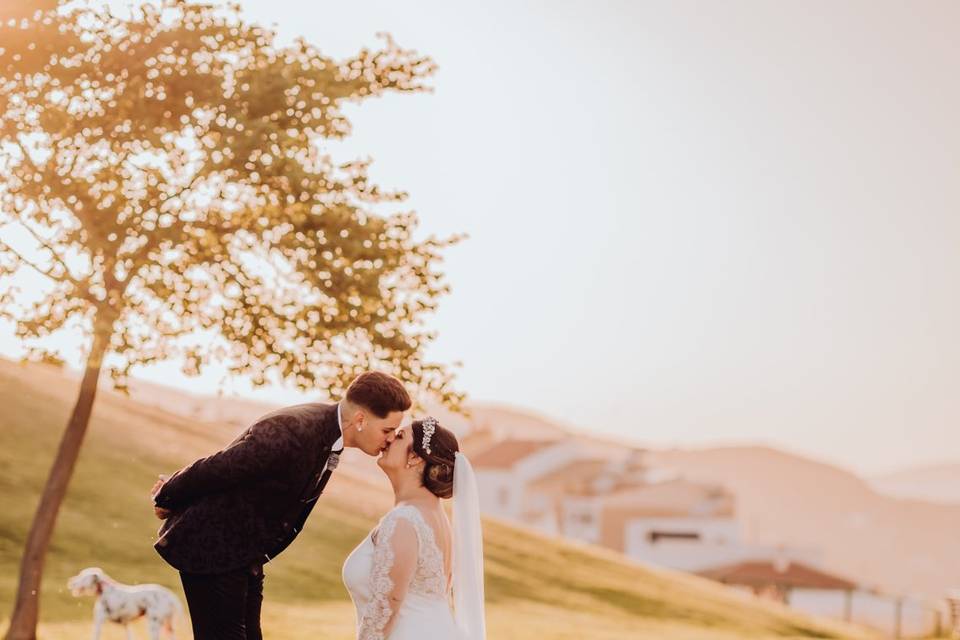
x=401 y=558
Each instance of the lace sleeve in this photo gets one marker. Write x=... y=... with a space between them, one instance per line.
x=394 y=563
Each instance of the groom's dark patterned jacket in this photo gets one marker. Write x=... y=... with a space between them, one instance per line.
x=246 y=503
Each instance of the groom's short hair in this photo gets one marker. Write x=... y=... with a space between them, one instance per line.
x=379 y=392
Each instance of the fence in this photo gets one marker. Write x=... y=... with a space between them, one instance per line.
x=895 y=616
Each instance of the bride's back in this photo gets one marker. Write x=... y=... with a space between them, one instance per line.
x=436 y=518
x=426 y=603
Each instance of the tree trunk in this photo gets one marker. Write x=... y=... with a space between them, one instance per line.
x=23 y=623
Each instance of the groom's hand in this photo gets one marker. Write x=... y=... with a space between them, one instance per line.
x=157 y=485
x=161 y=513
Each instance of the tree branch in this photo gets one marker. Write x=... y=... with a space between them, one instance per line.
x=38 y=269
x=49 y=248
x=26 y=156
x=154 y=240
x=184 y=189
x=137 y=167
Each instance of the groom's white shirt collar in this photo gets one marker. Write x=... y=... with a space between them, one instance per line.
x=339 y=443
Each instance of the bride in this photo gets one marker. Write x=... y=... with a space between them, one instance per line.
x=414 y=577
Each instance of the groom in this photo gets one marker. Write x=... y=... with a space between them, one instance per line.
x=228 y=514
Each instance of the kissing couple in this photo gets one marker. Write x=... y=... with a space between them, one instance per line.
x=414 y=577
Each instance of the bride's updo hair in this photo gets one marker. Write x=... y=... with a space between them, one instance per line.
x=438 y=470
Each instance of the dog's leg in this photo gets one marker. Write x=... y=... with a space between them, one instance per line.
x=168 y=625
x=154 y=629
x=98 y=616
x=129 y=632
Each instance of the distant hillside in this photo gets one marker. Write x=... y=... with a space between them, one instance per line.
x=232 y=410
x=240 y=411
x=536 y=587
x=934 y=483
x=901 y=546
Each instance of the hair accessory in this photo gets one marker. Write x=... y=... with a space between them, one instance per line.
x=429 y=426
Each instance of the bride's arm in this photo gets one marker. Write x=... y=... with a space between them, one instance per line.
x=394 y=563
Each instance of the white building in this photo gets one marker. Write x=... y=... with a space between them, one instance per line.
x=567 y=488
x=505 y=472
x=671 y=523
x=563 y=488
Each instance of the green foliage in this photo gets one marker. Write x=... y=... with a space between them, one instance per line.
x=167 y=169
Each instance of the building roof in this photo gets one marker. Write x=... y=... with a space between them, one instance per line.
x=678 y=497
x=505 y=454
x=574 y=474
x=756 y=573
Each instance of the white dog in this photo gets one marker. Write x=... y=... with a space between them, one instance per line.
x=123 y=604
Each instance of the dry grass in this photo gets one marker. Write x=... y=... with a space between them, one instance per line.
x=537 y=587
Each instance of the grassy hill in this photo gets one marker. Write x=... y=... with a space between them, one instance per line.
x=536 y=586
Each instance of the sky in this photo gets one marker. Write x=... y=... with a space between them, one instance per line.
x=690 y=224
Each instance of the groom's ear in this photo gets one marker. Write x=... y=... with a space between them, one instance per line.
x=350 y=413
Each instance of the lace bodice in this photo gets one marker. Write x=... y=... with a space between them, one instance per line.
x=405 y=561
x=428 y=577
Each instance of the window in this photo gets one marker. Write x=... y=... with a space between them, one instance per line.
x=582 y=517
x=655 y=536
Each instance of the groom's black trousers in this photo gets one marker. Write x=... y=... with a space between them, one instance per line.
x=225 y=606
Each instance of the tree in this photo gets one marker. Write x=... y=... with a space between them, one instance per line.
x=166 y=171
